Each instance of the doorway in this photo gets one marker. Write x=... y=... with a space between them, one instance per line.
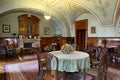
x=81 y=34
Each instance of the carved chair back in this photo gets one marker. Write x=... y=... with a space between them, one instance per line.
x=44 y=66
x=103 y=66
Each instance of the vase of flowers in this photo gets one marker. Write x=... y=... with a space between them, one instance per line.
x=67 y=48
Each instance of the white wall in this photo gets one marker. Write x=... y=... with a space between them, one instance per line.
x=101 y=31
x=12 y=20
x=9 y=20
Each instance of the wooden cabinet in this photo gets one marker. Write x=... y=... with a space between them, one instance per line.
x=60 y=41
x=49 y=40
x=45 y=41
x=28 y=25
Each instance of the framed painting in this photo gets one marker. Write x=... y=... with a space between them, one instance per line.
x=93 y=30
x=6 y=28
x=29 y=29
x=46 y=30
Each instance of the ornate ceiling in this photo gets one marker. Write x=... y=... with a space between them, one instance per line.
x=65 y=11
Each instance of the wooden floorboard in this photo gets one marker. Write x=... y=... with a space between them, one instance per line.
x=16 y=59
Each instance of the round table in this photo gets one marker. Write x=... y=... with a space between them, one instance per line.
x=73 y=62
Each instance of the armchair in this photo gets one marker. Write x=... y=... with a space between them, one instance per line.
x=9 y=50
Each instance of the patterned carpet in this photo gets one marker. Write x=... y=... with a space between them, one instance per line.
x=28 y=71
x=22 y=71
x=113 y=74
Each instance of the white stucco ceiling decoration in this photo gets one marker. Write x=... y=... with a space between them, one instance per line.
x=103 y=9
x=65 y=11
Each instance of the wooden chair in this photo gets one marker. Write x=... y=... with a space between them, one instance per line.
x=96 y=59
x=100 y=73
x=44 y=66
x=118 y=54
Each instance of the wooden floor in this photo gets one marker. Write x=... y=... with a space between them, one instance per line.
x=115 y=65
x=16 y=59
x=4 y=61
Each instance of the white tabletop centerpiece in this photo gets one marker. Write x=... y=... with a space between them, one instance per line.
x=67 y=49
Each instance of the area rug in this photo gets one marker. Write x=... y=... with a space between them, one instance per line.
x=22 y=71
x=28 y=71
x=29 y=57
x=113 y=74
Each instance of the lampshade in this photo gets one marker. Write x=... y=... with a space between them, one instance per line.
x=47 y=16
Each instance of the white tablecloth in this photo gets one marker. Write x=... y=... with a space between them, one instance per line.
x=74 y=62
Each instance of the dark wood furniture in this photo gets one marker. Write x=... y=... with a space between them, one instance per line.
x=45 y=41
x=100 y=73
x=28 y=25
x=44 y=66
x=81 y=34
x=10 y=51
x=96 y=58
x=2 y=52
x=117 y=55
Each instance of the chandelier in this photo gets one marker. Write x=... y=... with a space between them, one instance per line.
x=47 y=15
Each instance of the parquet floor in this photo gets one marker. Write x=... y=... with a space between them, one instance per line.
x=4 y=61
x=115 y=65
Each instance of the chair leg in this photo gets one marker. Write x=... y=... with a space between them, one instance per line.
x=38 y=70
x=84 y=75
x=40 y=74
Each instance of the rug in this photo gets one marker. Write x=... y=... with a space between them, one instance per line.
x=29 y=57
x=113 y=74
x=22 y=71
x=28 y=71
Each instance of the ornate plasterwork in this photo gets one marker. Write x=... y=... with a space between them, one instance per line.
x=105 y=10
x=65 y=11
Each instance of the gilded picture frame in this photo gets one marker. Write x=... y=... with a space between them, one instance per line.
x=93 y=30
x=46 y=30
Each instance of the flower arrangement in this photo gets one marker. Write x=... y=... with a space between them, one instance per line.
x=67 y=48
